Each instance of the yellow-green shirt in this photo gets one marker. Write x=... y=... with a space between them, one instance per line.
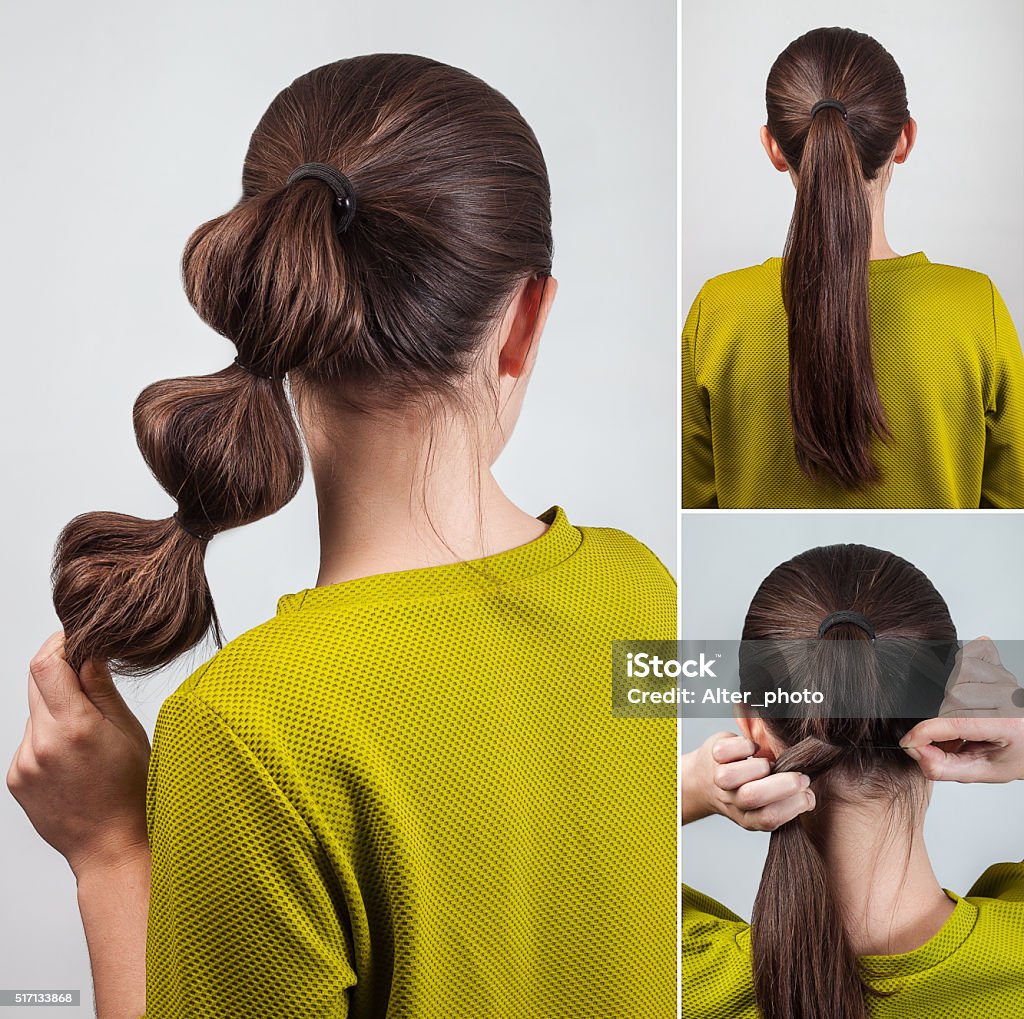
x=973 y=968
x=950 y=374
x=406 y=796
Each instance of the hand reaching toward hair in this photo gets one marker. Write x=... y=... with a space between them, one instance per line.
x=979 y=734
x=723 y=776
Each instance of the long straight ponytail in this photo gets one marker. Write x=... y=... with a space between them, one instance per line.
x=835 y=407
x=833 y=395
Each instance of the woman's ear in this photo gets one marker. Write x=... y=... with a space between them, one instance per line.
x=906 y=140
x=525 y=322
x=754 y=729
x=771 y=147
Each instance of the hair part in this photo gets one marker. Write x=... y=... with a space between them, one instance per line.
x=453 y=214
x=834 y=403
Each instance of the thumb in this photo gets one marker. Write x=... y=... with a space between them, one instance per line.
x=98 y=685
x=938 y=730
x=940 y=766
x=983 y=648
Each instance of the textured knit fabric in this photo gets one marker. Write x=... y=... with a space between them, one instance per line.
x=973 y=968
x=406 y=796
x=950 y=374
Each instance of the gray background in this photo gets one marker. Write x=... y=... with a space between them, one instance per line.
x=974 y=559
x=126 y=125
x=959 y=197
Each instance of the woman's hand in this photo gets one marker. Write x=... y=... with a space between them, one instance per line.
x=980 y=725
x=724 y=777
x=80 y=770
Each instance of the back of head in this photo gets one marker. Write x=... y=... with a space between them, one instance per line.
x=834 y=151
x=377 y=289
x=867 y=604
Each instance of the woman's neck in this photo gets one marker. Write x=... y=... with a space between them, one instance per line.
x=879 y=244
x=392 y=497
x=888 y=891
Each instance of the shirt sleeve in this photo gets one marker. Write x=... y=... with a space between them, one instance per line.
x=716 y=975
x=702 y=914
x=1002 y=484
x=1001 y=881
x=242 y=921
x=698 y=466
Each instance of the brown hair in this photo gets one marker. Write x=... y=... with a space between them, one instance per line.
x=452 y=215
x=833 y=395
x=804 y=967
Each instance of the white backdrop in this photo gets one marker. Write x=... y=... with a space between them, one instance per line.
x=125 y=128
x=959 y=197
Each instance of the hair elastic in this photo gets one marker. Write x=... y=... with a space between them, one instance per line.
x=253 y=371
x=822 y=104
x=188 y=530
x=344 y=193
x=845 y=616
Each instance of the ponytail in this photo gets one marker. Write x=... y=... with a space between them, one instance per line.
x=803 y=963
x=834 y=149
x=833 y=395
x=225 y=446
x=133 y=592
x=804 y=967
x=390 y=301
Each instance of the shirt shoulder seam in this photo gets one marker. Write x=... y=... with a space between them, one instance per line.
x=192 y=696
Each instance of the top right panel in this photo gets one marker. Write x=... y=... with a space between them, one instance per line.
x=852 y=259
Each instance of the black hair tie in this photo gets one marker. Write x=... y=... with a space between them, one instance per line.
x=344 y=193
x=252 y=371
x=188 y=530
x=823 y=104
x=846 y=616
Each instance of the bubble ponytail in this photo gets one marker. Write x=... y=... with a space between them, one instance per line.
x=392 y=206
x=134 y=592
